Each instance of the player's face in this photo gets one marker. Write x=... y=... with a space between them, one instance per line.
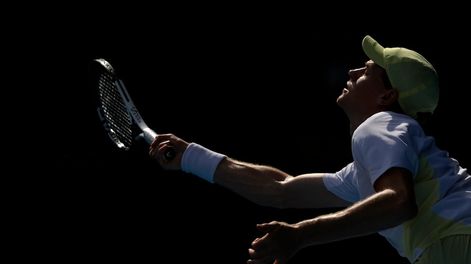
x=362 y=93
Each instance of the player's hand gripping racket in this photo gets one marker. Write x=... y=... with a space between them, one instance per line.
x=118 y=114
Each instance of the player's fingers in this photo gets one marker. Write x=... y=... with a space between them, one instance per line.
x=280 y=261
x=151 y=151
x=261 y=242
x=154 y=149
x=258 y=254
x=268 y=227
x=163 y=147
x=162 y=137
x=259 y=239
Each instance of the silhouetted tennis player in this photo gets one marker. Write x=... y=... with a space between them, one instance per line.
x=399 y=183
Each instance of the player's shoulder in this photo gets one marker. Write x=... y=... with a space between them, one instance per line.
x=388 y=118
x=385 y=122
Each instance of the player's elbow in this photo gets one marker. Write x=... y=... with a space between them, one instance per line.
x=409 y=209
x=282 y=196
x=405 y=207
x=274 y=195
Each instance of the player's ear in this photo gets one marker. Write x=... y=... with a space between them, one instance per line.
x=388 y=97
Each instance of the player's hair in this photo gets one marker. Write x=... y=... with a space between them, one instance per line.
x=423 y=118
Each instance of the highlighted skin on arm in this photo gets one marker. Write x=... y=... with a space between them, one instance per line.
x=269 y=186
x=391 y=205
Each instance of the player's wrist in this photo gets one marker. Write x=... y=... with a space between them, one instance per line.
x=201 y=161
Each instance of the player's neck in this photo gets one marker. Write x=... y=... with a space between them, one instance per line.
x=356 y=121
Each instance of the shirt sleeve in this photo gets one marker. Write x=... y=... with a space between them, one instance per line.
x=343 y=183
x=383 y=144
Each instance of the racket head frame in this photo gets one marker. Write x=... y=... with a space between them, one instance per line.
x=111 y=106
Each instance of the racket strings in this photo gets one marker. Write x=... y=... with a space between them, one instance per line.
x=114 y=111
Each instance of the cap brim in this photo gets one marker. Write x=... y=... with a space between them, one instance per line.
x=373 y=50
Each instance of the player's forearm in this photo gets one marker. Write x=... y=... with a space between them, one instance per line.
x=378 y=212
x=259 y=184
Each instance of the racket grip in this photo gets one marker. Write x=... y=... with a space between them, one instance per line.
x=149 y=135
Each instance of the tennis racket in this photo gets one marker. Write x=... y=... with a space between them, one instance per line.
x=119 y=116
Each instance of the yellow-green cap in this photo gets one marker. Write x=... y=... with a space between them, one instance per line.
x=410 y=73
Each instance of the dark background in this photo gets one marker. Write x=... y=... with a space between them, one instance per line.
x=259 y=87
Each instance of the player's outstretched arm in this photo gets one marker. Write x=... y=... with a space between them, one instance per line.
x=269 y=186
x=261 y=184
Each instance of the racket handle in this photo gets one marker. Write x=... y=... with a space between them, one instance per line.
x=149 y=135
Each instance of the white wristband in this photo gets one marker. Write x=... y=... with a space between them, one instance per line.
x=200 y=161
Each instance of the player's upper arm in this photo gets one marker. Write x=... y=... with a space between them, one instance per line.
x=309 y=191
x=400 y=182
